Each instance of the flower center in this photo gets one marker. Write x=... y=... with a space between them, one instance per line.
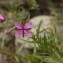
x=24 y=29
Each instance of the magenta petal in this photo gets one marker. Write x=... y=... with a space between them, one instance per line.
x=18 y=34
x=18 y=25
x=28 y=34
x=28 y=25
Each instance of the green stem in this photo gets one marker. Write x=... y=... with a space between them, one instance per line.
x=20 y=48
x=2 y=45
x=34 y=51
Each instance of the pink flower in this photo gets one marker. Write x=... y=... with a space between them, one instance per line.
x=22 y=29
x=2 y=18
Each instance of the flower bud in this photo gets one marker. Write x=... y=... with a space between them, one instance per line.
x=9 y=31
x=2 y=18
